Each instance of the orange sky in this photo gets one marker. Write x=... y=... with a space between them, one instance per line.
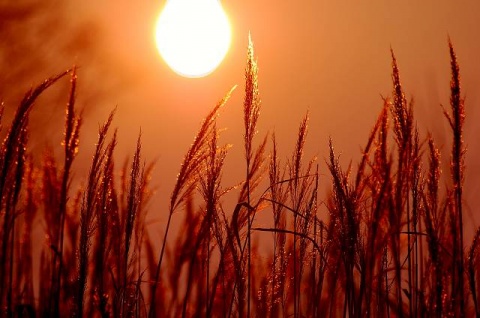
x=328 y=57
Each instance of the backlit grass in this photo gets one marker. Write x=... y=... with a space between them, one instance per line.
x=391 y=245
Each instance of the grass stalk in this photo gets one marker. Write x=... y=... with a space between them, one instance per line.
x=251 y=111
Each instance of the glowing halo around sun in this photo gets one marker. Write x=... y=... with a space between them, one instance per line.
x=193 y=36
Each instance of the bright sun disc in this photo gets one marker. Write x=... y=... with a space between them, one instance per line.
x=193 y=36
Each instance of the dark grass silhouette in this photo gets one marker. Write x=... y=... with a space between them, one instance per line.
x=391 y=244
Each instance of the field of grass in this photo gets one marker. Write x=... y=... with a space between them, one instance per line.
x=392 y=244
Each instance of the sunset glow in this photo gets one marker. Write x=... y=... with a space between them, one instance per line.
x=193 y=36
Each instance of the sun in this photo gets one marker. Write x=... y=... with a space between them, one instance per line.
x=193 y=36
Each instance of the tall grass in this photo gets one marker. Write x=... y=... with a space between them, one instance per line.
x=390 y=245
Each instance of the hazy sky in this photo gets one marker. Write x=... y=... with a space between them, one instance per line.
x=330 y=58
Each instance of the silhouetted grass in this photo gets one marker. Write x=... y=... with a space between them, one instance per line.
x=390 y=245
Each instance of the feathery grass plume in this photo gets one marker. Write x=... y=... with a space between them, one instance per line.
x=90 y=202
x=144 y=195
x=299 y=187
x=13 y=144
x=337 y=228
x=71 y=142
x=251 y=112
x=132 y=200
x=132 y=207
x=380 y=186
x=333 y=255
x=432 y=227
x=356 y=230
x=210 y=189
x=334 y=273
x=108 y=206
x=251 y=104
x=244 y=214
x=401 y=113
x=129 y=299
x=381 y=123
x=303 y=198
x=345 y=211
x=256 y=174
x=19 y=123
x=185 y=184
x=372 y=189
x=456 y=120
x=412 y=226
x=403 y=128
x=278 y=196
